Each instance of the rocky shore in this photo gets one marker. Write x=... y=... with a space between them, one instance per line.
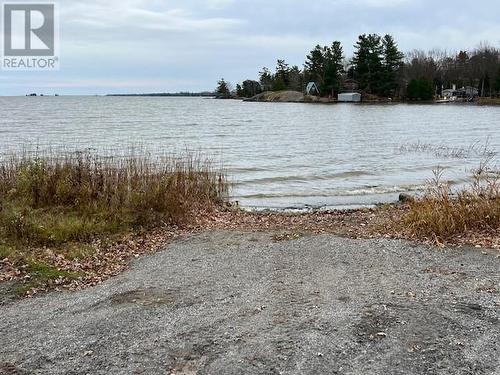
x=288 y=97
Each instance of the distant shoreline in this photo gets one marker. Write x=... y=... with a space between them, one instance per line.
x=281 y=97
x=166 y=94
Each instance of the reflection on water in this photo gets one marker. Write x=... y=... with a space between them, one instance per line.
x=278 y=155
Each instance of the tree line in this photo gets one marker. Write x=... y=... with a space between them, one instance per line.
x=379 y=68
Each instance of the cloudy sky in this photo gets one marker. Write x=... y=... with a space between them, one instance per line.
x=128 y=46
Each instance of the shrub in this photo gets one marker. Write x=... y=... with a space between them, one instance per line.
x=420 y=89
x=442 y=215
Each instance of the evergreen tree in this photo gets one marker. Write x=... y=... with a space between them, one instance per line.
x=420 y=89
x=462 y=67
x=239 y=91
x=368 y=64
x=314 y=65
x=426 y=89
x=333 y=68
x=251 y=88
x=393 y=61
x=296 y=79
x=282 y=74
x=266 y=79
x=413 y=90
x=279 y=84
x=223 y=90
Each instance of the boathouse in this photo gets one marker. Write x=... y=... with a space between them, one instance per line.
x=349 y=97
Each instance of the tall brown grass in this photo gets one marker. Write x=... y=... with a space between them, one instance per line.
x=442 y=214
x=58 y=197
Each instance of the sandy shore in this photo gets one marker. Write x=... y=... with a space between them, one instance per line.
x=230 y=302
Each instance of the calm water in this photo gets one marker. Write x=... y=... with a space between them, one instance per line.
x=279 y=155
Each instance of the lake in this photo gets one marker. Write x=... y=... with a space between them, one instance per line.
x=278 y=155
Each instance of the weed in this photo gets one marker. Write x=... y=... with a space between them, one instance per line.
x=64 y=200
x=441 y=214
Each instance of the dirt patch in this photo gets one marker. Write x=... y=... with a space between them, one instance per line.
x=229 y=302
x=143 y=297
x=10 y=369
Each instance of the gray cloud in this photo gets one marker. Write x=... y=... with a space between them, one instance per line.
x=156 y=45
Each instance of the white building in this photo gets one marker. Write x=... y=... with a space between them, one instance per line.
x=350 y=97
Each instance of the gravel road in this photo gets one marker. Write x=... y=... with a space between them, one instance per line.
x=243 y=303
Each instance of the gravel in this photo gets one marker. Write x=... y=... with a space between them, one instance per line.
x=228 y=302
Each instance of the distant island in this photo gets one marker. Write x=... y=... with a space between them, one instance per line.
x=169 y=94
x=378 y=71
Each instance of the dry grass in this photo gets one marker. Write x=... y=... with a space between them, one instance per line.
x=58 y=199
x=475 y=149
x=440 y=215
x=488 y=101
x=52 y=198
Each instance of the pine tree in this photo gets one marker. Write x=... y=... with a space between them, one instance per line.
x=413 y=90
x=426 y=89
x=251 y=88
x=239 y=91
x=223 y=90
x=296 y=79
x=420 y=89
x=314 y=65
x=368 y=64
x=333 y=68
x=266 y=79
x=393 y=61
x=282 y=74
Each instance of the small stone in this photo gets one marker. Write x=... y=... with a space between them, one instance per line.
x=406 y=198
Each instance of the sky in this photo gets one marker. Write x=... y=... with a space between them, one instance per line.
x=143 y=46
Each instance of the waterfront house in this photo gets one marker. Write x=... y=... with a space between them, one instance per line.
x=467 y=92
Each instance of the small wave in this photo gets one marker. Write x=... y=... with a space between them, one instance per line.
x=271 y=180
x=303 y=178
x=375 y=190
x=246 y=170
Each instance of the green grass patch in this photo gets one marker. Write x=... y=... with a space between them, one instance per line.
x=5 y=251
x=42 y=275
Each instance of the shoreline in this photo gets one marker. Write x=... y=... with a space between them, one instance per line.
x=297 y=97
x=483 y=102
